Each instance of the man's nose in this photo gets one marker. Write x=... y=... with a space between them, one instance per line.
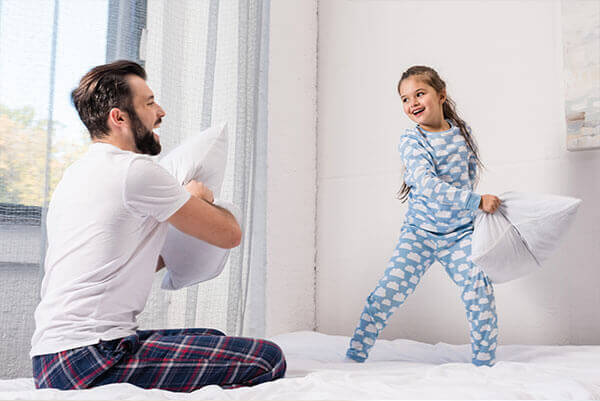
x=161 y=112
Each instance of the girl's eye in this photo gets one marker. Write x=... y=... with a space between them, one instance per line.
x=404 y=100
x=420 y=93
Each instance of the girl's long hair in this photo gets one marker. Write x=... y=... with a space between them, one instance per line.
x=431 y=78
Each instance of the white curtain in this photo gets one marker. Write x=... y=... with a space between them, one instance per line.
x=206 y=62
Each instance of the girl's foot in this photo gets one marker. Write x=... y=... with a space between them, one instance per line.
x=355 y=355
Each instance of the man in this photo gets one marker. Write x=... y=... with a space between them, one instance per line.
x=106 y=224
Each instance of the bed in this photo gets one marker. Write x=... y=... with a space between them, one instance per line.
x=399 y=369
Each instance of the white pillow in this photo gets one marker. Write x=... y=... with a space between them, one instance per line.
x=201 y=157
x=521 y=234
x=188 y=260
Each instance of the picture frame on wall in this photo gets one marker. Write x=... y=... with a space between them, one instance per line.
x=581 y=52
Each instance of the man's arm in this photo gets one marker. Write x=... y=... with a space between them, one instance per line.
x=201 y=219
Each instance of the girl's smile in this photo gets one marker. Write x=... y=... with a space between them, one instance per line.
x=418 y=111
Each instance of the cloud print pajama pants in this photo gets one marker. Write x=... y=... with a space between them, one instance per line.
x=415 y=252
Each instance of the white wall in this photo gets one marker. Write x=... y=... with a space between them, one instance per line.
x=502 y=61
x=291 y=158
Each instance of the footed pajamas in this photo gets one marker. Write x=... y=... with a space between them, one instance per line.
x=438 y=226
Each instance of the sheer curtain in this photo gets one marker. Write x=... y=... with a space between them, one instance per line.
x=206 y=62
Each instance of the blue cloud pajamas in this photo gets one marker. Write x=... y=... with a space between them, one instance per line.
x=438 y=226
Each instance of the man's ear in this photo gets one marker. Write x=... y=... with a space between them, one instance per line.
x=116 y=118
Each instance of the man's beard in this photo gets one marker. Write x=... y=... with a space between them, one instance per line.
x=144 y=138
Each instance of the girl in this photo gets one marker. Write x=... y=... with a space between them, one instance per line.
x=441 y=160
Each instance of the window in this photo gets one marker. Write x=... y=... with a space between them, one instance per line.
x=46 y=46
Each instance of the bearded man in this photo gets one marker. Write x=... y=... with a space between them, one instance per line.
x=106 y=224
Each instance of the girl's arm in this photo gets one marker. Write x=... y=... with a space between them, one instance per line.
x=421 y=177
x=472 y=165
x=472 y=169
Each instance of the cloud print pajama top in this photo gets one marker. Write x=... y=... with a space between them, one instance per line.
x=441 y=170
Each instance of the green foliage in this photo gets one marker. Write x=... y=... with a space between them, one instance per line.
x=23 y=156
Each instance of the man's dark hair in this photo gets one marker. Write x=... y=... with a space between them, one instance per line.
x=102 y=89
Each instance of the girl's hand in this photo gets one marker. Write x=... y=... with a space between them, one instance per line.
x=199 y=190
x=489 y=203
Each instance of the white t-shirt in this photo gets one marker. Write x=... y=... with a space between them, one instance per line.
x=106 y=226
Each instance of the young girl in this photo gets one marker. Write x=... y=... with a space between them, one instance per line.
x=441 y=161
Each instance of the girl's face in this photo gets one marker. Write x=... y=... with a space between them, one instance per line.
x=422 y=104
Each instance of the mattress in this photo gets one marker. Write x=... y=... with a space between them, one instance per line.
x=399 y=369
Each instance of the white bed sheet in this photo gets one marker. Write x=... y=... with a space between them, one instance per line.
x=400 y=369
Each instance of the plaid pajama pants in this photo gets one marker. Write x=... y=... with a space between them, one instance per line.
x=175 y=360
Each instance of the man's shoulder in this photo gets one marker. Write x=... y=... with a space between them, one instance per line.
x=103 y=166
x=119 y=163
x=139 y=166
x=144 y=175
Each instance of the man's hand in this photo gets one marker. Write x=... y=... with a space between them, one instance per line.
x=489 y=203
x=199 y=190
